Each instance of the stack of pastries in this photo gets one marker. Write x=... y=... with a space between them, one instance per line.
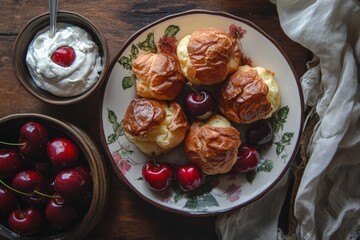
x=209 y=57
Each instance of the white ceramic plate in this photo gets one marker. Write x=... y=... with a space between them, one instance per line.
x=219 y=193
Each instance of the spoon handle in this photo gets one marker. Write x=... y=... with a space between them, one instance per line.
x=53 y=5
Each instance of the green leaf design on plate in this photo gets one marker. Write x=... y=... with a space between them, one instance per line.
x=112 y=117
x=285 y=141
x=111 y=138
x=171 y=31
x=118 y=129
x=250 y=176
x=286 y=138
x=127 y=82
x=279 y=148
x=116 y=126
x=279 y=119
x=134 y=52
x=178 y=193
x=202 y=202
x=195 y=197
x=265 y=165
x=149 y=44
x=125 y=62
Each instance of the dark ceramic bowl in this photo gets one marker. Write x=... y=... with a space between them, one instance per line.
x=28 y=33
x=90 y=157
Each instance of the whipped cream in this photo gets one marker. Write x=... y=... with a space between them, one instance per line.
x=79 y=77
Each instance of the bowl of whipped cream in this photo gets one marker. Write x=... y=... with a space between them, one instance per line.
x=65 y=68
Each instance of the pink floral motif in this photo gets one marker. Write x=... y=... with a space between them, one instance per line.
x=236 y=31
x=122 y=163
x=124 y=167
x=246 y=61
x=122 y=158
x=165 y=196
x=124 y=147
x=117 y=157
x=233 y=193
x=167 y=44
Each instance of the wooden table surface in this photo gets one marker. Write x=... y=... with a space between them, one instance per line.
x=127 y=216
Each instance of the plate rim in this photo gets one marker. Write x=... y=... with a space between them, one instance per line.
x=104 y=86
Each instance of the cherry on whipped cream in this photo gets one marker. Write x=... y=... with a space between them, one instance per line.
x=63 y=56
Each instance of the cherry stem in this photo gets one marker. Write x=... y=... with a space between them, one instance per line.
x=19 y=208
x=13 y=189
x=28 y=194
x=45 y=195
x=154 y=161
x=192 y=88
x=12 y=144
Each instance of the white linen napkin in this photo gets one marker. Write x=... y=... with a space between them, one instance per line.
x=327 y=204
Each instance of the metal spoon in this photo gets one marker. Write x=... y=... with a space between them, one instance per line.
x=53 y=8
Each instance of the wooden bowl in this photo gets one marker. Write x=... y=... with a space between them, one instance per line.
x=9 y=129
x=28 y=33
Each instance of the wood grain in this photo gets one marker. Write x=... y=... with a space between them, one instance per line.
x=127 y=216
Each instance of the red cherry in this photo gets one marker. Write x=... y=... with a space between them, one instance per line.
x=86 y=174
x=247 y=159
x=64 y=56
x=29 y=181
x=63 y=153
x=72 y=185
x=259 y=132
x=10 y=163
x=158 y=176
x=189 y=177
x=7 y=200
x=35 y=137
x=32 y=183
x=28 y=222
x=199 y=104
x=59 y=214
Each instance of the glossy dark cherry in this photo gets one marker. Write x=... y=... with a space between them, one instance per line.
x=247 y=159
x=26 y=222
x=7 y=200
x=259 y=132
x=31 y=182
x=35 y=137
x=189 y=177
x=63 y=153
x=158 y=176
x=60 y=215
x=64 y=56
x=28 y=181
x=199 y=104
x=11 y=162
x=86 y=174
x=72 y=185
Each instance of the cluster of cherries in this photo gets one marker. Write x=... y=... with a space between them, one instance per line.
x=201 y=105
x=43 y=181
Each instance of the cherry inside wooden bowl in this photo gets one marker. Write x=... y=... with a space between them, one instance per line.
x=90 y=157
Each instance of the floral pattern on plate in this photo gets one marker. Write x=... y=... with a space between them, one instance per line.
x=221 y=192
